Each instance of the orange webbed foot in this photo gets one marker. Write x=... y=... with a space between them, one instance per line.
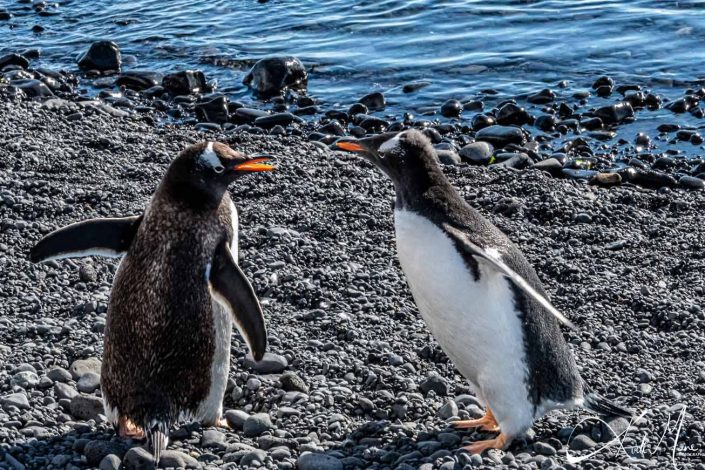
x=486 y=423
x=480 y=446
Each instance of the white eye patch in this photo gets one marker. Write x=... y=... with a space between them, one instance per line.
x=390 y=144
x=210 y=159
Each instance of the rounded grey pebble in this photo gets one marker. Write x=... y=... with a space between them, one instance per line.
x=88 y=383
x=236 y=418
x=139 y=458
x=270 y=364
x=176 y=459
x=83 y=366
x=311 y=461
x=582 y=442
x=110 y=462
x=59 y=374
x=257 y=424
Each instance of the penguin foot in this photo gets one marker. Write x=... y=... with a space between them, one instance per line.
x=486 y=423
x=222 y=423
x=480 y=446
x=128 y=429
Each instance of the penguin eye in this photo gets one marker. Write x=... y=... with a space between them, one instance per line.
x=219 y=169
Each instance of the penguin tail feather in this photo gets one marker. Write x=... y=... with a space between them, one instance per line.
x=158 y=438
x=598 y=404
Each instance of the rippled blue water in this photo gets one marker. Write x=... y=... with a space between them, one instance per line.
x=355 y=46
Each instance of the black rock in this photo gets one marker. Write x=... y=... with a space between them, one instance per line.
x=679 y=106
x=247 y=115
x=551 y=165
x=291 y=382
x=451 y=109
x=5 y=15
x=185 y=82
x=13 y=59
x=307 y=111
x=448 y=156
x=278 y=119
x=516 y=160
x=511 y=113
x=691 y=182
x=499 y=136
x=478 y=153
x=546 y=122
x=357 y=108
x=374 y=101
x=32 y=88
x=102 y=56
x=474 y=106
x=480 y=121
x=95 y=451
x=603 y=81
x=414 y=86
x=371 y=123
x=270 y=364
x=591 y=123
x=435 y=383
x=274 y=75
x=604 y=91
x=333 y=127
x=213 y=110
x=542 y=97
x=647 y=178
x=615 y=113
x=139 y=79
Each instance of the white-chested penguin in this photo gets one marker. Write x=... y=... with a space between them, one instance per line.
x=178 y=288
x=479 y=296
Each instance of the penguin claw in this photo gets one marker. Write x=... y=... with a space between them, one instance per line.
x=479 y=447
x=486 y=423
x=222 y=423
x=128 y=429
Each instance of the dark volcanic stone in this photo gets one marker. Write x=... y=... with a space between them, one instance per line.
x=603 y=81
x=14 y=59
x=374 y=101
x=273 y=75
x=451 y=109
x=615 y=113
x=679 y=106
x=213 y=110
x=435 y=383
x=95 y=451
x=511 y=113
x=279 y=119
x=139 y=79
x=499 y=136
x=311 y=461
x=691 y=182
x=185 y=82
x=480 y=121
x=546 y=122
x=270 y=364
x=357 y=108
x=371 y=123
x=247 y=115
x=542 y=97
x=102 y=56
x=591 y=123
x=414 y=86
x=478 y=153
x=33 y=88
x=448 y=156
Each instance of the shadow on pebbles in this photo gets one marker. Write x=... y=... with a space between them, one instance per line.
x=353 y=379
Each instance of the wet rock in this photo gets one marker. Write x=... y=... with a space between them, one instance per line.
x=648 y=178
x=679 y=106
x=691 y=182
x=500 y=136
x=512 y=114
x=139 y=458
x=86 y=407
x=451 y=109
x=551 y=165
x=14 y=59
x=542 y=97
x=32 y=88
x=5 y=15
x=606 y=179
x=140 y=80
x=591 y=123
x=374 y=101
x=257 y=424
x=312 y=461
x=642 y=140
x=414 y=86
x=603 y=81
x=480 y=121
x=546 y=122
x=186 y=82
x=213 y=110
x=270 y=364
x=357 y=108
x=516 y=160
x=371 y=123
x=102 y=56
x=478 y=153
x=247 y=115
x=82 y=366
x=333 y=128
x=278 y=119
x=604 y=91
x=615 y=113
x=274 y=75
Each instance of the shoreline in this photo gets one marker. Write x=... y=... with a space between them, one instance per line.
x=361 y=373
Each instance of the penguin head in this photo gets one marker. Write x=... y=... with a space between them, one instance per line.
x=407 y=157
x=209 y=167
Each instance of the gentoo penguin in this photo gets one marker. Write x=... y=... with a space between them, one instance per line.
x=174 y=296
x=479 y=296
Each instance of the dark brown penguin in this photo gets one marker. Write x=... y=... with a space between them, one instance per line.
x=175 y=294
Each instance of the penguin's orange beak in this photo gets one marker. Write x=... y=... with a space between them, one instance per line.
x=255 y=164
x=350 y=146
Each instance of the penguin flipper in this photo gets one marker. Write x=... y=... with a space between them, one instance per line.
x=231 y=288
x=109 y=237
x=494 y=262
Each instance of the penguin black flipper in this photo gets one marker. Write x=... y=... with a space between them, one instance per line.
x=478 y=253
x=109 y=237
x=231 y=288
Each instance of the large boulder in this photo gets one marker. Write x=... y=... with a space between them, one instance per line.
x=274 y=75
x=102 y=56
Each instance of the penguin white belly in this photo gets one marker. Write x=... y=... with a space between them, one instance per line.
x=475 y=322
x=211 y=409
